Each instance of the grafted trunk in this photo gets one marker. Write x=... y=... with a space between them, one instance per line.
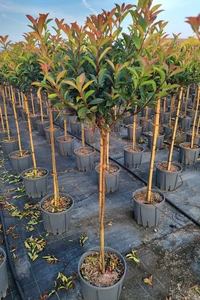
x=174 y=131
x=103 y=163
x=16 y=122
x=153 y=150
x=53 y=157
x=5 y=113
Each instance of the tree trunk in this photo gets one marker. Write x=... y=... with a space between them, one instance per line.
x=134 y=128
x=32 y=102
x=153 y=150
x=5 y=113
x=41 y=108
x=174 y=131
x=195 y=118
x=2 y=121
x=53 y=157
x=65 y=128
x=30 y=132
x=103 y=163
x=16 y=122
x=82 y=135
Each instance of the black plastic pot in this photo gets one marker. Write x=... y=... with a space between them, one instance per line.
x=146 y=214
x=111 y=179
x=185 y=122
x=164 y=118
x=117 y=127
x=33 y=119
x=24 y=115
x=18 y=110
x=20 y=164
x=75 y=128
x=56 y=134
x=41 y=125
x=159 y=142
x=3 y=276
x=130 y=131
x=128 y=120
x=3 y=134
x=85 y=162
x=167 y=130
x=190 y=113
x=9 y=147
x=56 y=223
x=150 y=111
x=90 y=135
x=66 y=148
x=188 y=156
x=36 y=187
x=146 y=125
x=91 y=292
x=167 y=180
x=133 y=159
x=196 y=138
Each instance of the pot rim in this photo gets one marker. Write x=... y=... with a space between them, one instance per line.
x=56 y=213
x=16 y=140
x=149 y=205
x=166 y=171
x=188 y=143
x=61 y=136
x=29 y=152
x=140 y=147
x=107 y=249
x=41 y=168
x=93 y=151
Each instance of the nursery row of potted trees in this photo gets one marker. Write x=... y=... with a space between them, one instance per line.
x=102 y=75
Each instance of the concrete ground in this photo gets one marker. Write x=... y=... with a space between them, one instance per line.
x=169 y=253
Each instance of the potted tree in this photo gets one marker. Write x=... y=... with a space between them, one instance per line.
x=133 y=155
x=35 y=179
x=3 y=274
x=105 y=83
x=57 y=206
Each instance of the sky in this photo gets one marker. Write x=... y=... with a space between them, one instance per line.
x=13 y=20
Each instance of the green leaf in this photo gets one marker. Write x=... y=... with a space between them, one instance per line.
x=97 y=101
x=176 y=72
x=82 y=111
x=161 y=73
x=89 y=93
x=111 y=64
x=71 y=83
x=104 y=53
x=137 y=42
x=90 y=61
x=60 y=75
x=52 y=96
x=148 y=82
x=87 y=84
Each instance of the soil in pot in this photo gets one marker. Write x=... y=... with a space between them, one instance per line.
x=32 y=174
x=163 y=166
x=84 y=151
x=64 y=204
x=17 y=154
x=90 y=270
x=130 y=149
x=140 y=196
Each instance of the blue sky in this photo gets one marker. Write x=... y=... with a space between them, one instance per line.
x=13 y=19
